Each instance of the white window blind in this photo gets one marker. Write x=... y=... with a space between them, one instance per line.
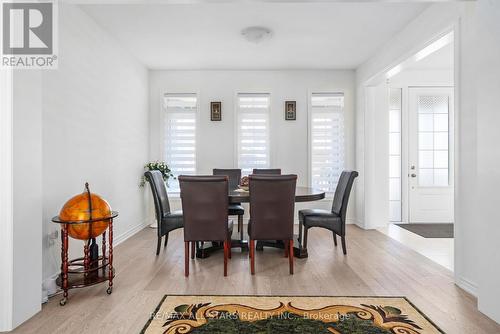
x=180 y=135
x=253 y=132
x=326 y=140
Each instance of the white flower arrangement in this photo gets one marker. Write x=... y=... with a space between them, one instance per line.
x=160 y=166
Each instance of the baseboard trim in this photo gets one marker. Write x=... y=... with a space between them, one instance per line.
x=466 y=285
x=127 y=234
x=353 y=221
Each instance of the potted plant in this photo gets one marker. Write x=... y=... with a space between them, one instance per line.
x=160 y=166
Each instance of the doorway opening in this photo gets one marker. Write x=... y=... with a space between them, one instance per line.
x=421 y=151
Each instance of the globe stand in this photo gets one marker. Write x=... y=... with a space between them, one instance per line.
x=82 y=272
x=92 y=268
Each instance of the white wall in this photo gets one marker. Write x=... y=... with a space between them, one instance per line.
x=6 y=227
x=289 y=145
x=95 y=128
x=21 y=197
x=488 y=154
x=27 y=191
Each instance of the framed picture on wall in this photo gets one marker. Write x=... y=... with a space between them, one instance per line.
x=215 y=111
x=290 y=110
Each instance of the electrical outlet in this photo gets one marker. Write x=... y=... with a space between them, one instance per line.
x=52 y=236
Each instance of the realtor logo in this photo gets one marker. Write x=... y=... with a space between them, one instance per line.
x=29 y=34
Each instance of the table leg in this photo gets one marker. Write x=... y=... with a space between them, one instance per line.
x=298 y=251
x=205 y=249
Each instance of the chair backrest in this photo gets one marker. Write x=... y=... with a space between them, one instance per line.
x=159 y=190
x=204 y=207
x=234 y=176
x=272 y=203
x=341 y=198
x=267 y=171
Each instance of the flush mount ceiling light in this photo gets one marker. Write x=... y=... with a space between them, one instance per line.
x=256 y=34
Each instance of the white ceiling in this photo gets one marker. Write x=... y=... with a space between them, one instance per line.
x=207 y=36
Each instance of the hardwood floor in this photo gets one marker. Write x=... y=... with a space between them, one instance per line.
x=376 y=265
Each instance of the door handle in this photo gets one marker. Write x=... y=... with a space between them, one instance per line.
x=413 y=175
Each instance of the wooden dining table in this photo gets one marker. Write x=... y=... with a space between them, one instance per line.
x=302 y=194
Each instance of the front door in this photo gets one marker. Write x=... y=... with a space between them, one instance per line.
x=431 y=174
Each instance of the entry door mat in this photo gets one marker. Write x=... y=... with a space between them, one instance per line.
x=428 y=230
x=284 y=315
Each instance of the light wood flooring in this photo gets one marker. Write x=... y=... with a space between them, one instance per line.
x=375 y=265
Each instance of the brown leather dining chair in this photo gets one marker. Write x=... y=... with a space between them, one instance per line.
x=333 y=220
x=266 y=171
x=272 y=202
x=234 y=209
x=167 y=220
x=205 y=204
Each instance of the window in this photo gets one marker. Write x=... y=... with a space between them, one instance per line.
x=253 y=131
x=180 y=135
x=395 y=105
x=326 y=140
x=433 y=140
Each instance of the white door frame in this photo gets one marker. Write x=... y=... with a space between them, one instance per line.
x=405 y=142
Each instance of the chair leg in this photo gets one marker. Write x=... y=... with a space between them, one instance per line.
x=158 y=246
x=335 y=239
x=301 y=227
x=166 y=241
x=225 y=257
x=290 y=255
x=344 y=249
x=252 y=256
x=286 y=247
x=304 y=245
x=240 y=226
x=186 y=258
x=192 y=250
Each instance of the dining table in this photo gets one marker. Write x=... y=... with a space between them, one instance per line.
x=302 y=194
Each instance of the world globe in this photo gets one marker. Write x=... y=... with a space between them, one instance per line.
x=91 y=210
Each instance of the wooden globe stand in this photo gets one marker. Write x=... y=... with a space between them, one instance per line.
x=85 y=217
x=82 y=272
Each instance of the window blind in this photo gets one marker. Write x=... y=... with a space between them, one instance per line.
x=326 y=140
x=180 y=135
x=253 y=131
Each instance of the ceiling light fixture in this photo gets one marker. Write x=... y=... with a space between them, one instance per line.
x=256 y=34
